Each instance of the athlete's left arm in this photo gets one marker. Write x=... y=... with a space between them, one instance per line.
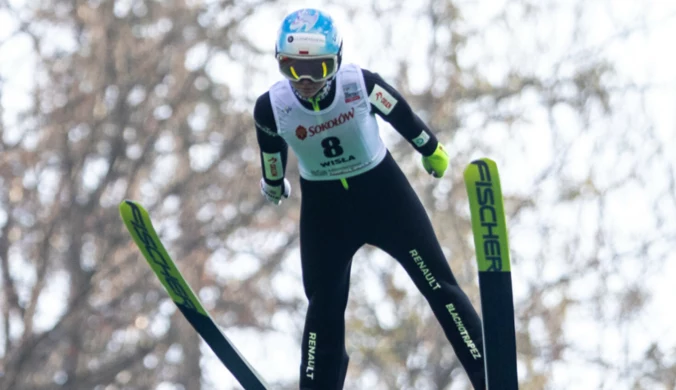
x=394 y=109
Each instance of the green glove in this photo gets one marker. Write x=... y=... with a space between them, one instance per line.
x=436 y=163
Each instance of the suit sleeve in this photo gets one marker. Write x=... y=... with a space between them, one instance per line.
x=390 y=105
x=273 y=148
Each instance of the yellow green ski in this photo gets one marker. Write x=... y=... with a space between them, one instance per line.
x=140 y=227
x=495 y=279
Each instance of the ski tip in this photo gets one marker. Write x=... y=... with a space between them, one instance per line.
x=129 y=207
x=127 y=202
x=484 y=162
x=488 y=160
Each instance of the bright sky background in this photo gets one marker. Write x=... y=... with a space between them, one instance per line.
x=645 y=58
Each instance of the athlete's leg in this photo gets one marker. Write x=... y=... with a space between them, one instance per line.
x=405 y=232
x=424 y=262
x=327 y=249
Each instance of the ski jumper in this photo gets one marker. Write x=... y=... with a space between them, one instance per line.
x=354 y=193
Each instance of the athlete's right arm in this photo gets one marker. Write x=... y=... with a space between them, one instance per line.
x=273 y=148
x=274 y=151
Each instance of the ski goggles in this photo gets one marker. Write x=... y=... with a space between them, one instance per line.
x=315 y=68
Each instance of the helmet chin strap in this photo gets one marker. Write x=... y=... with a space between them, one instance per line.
x=320 y=95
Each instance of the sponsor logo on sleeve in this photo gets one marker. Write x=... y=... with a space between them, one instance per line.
x=382 y=99
x=266 y=130
x=273 y=166
x=422 y=139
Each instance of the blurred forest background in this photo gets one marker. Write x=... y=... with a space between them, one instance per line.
x=103 y=100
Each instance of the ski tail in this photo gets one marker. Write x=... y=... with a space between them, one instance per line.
x=495 y=280
x=140 y=227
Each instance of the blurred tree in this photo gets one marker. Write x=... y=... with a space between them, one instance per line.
x=151 y=100
x=122 y=105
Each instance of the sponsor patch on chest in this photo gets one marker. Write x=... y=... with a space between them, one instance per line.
x=351 y=91
x=302 y=132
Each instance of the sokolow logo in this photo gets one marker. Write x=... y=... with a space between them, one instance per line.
x=302 y=132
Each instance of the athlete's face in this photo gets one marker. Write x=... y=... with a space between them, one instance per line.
x=308 y=88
